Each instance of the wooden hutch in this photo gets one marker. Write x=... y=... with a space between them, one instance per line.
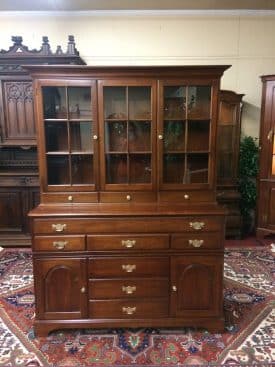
x=19 y=184
x=128 y=232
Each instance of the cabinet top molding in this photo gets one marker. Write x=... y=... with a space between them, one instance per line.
x=20 y=54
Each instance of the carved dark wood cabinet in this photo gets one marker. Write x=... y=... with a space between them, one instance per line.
x=128 y=232
x=266 y=176
x=19 y=190
x=228 y=146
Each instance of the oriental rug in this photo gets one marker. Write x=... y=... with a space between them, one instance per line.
x=248 y=340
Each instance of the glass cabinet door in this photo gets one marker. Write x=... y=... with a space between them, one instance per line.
x=185 y=119
x=70 y=132
x=128 y=129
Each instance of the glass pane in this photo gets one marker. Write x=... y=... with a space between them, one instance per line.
x=58 y=170
x=198 y=136
x=54 y=102
x=199 y=102
x=116 y=168
x=139 y=136
x=115 y=102
x=56 y=136
x=82 y=169
x=174 y=135
x=81 y=136
x=174 y=102
x=197 y=168
x=173 y=168
x=139 y=102
x=116 y=136
x=80 y=102
x=140 y=168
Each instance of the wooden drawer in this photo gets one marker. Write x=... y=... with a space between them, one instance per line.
x=69 y=197
x=128 y=225
x=108 y=267
x=128 y=288
x=59 y=243
x=197 y=241
x=186 y=196
x=128 y=242
x=127 y=197
x=130 y=309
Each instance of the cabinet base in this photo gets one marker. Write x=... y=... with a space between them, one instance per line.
x=214 y=325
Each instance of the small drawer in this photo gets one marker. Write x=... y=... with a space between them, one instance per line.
x=127 y=197
x=108 y=267
x=196 y=241
x=129 y=309
x=188 y=196
x=127 y=288
x=56 y=243
x=128 y=242
x=69 y=197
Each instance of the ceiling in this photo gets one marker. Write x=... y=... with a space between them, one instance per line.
x=90 y=5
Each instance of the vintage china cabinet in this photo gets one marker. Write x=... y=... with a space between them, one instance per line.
x=19 y=183
x=128 y=233
x=228 y=149
x=266 y=176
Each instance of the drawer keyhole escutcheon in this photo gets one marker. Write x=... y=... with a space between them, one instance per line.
x=129 y=268
x=60 y=245
x=129 y=310
x=59 y=227
x=196 y=243
x=197 y=225
x=128 y=289
x=128 y=243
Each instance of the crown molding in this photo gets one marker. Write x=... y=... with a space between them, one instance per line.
x=144 y=13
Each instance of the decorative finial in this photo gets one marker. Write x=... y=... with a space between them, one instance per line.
x=17 y=40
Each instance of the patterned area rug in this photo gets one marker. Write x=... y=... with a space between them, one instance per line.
x=249 y=338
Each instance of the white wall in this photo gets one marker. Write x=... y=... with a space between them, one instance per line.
x=244 y=41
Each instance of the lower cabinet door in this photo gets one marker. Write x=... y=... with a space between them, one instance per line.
x=61 y=289
x=197 y=285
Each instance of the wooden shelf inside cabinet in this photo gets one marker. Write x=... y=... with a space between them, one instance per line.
x=133 y=201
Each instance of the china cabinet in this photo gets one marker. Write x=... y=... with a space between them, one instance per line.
x=19 y=184
x=266 y=176
x=128 y=232
x=228 y=144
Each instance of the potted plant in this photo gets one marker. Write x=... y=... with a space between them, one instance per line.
x=248 y=170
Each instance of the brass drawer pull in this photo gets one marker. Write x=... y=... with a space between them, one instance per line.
x=60 y=245
x=196 y=243
x=128 y=243
x=83 y=290
x=128 y=289
x=59 y=227
x=174 y=288
x=197 y=225
x=129 y=310
x=129 y=268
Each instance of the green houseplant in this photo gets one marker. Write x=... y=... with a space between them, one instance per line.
x=248 y=170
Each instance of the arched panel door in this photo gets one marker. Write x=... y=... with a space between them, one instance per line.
x=61 y=289
x=196 y=286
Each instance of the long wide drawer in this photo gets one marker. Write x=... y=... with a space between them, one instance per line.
x=59 y=243
x=127 y=288
x=133 y=225
x=129 y=308
x=195 y=240
x=127 y=242
x=108 y=267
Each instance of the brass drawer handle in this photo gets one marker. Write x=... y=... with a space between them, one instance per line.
x=128 y=289
x=83 y=290
x=129 y=268
x=129 y=310
x=59 y=227
x=197 y=225
x=60 y=245
x=270 y=135
x=128 y=243
x=196 y=243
